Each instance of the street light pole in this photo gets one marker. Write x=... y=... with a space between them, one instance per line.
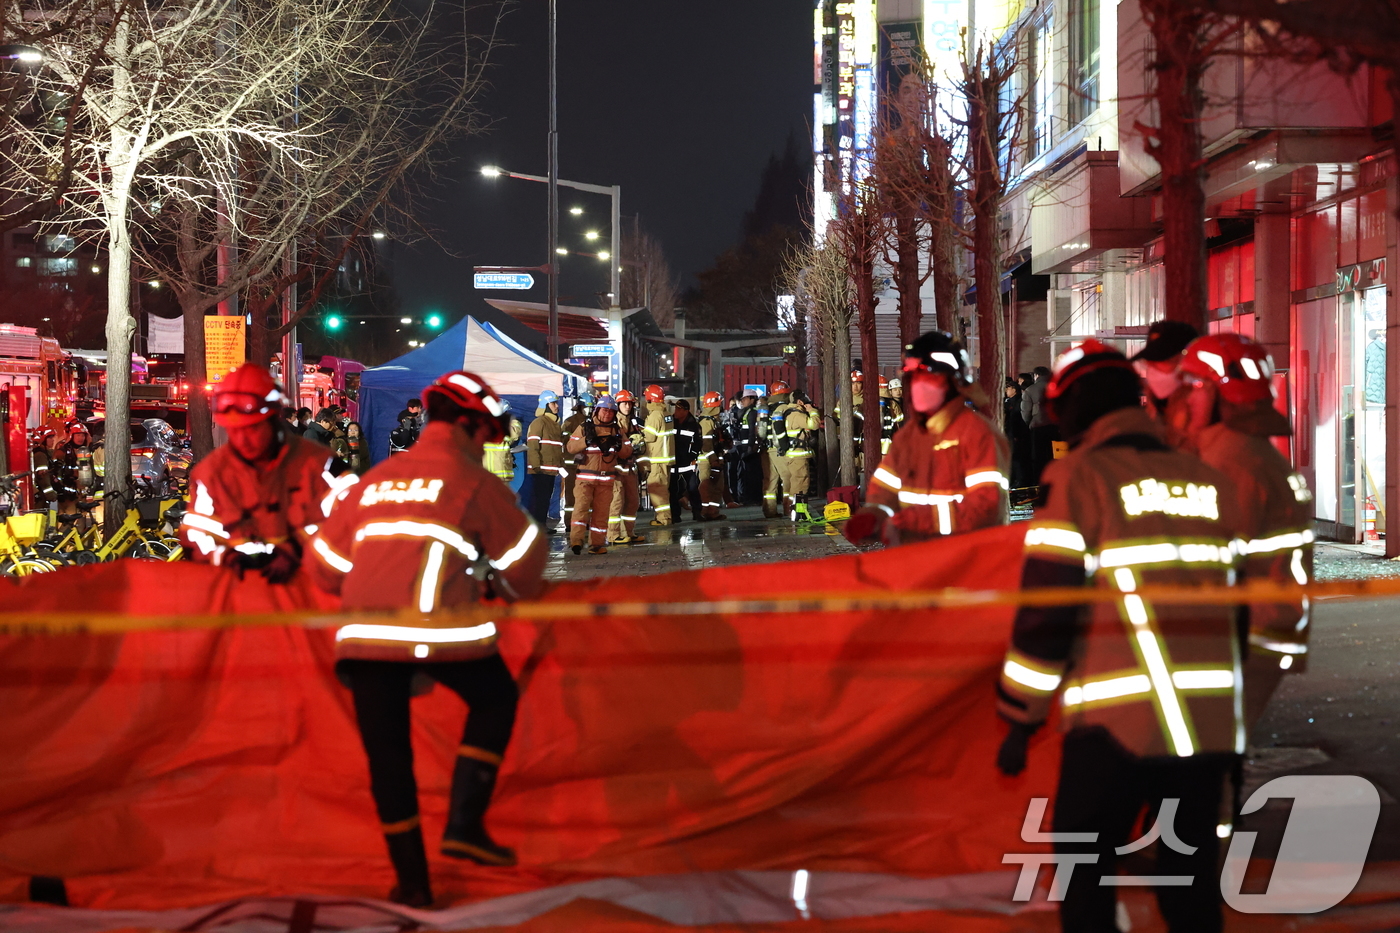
x=553 y=182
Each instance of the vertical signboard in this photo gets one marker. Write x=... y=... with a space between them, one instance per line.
x=223 y=345
x=944 y=21
x=901 y=56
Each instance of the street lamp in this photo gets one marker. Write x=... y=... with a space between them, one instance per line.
x=614 y=192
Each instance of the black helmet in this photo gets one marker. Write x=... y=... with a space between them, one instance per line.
x=938 y=352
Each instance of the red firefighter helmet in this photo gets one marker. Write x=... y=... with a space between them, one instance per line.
x=711 y=400
x=37 y=436
x=625 y=396
x=779 y=387
x=1089 y=356
x=246 y=396
x=884 y=383
x=469 y=391
x=654 y=393
x=1239 y=367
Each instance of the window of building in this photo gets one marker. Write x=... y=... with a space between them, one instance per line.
x=24 y=262
x=1084 y=65
x=59 y=243
x=58 y=265
x=1040 y=73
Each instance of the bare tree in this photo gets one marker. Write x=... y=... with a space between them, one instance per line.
x=1184 y=39
x=858 y=233
x=647 y=278
x=993 y=140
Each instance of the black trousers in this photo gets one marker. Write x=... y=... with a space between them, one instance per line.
x=382 y=691
x=686 y=484
x=538 y=495
x=1042 y=451
x=1103 y=790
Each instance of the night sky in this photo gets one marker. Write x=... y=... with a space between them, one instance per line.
x=679 y=103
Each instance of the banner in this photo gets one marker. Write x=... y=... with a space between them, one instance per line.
x=223 y=345
x=165 y=334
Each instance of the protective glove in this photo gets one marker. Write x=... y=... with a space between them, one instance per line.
x=285 y=561
x=864 y=525
x=1011 y=757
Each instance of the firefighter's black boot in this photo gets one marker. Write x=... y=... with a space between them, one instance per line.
x=473 y=781
x=410 y=867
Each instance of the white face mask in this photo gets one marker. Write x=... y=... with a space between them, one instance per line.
x=1161 y=383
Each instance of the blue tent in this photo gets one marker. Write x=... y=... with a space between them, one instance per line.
x=514 y=372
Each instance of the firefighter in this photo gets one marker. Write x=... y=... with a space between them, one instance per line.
x=659 y=434
x=888 y=423
x=256 y=501
x=598 y=444
x=747 y=451
x=622 y=517
x=1158 y=363
x=44 y=465
x=1231 y=416
x=685 y=476
x=897 y=402
x=800 y=425
x=581 y=413
x=710 y=466
x=429 y=530
x=498 y=456
x=1149 y=693
x=947 y=472
x=544 y=456
x=777 y=485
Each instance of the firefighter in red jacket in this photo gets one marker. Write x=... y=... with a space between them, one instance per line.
x=1149 y=692
x=1230 y=410
x=947 y=469
x=426 y=530
x=256 y=501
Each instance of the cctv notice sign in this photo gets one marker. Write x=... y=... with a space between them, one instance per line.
x=223 y=345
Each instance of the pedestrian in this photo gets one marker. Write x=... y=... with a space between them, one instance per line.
x=947 y=472
x=622 y=517
x=1016 y=431
x=405 y=435
x=597 y=444
x=1149 y=693
x=710 y=466
x=289 y=419
x=800 y=424
x=303 y=420
x=1158 y=363
x=499 y=459
x=358 y=446
x=777 y=486
x=431 y=530
x=581 y=412
x=322 y=429
x=1230 y=410
x=685 y=477
x=256 y=501
x=659 y=434
x=544 y=457
x=1043 y=431
x=414 y=410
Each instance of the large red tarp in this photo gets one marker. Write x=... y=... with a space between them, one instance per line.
x=158 y=769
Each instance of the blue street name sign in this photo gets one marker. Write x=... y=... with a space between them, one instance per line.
x=593 y=349
x=520 y=280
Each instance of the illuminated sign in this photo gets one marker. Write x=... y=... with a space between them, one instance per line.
x=516 y=280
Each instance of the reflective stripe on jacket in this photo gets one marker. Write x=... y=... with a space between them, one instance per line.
x=1275 y=507
x=945 y=475
x=659 y=433
x=1126 y=511
x=421 y=532
x=799 y=425
x=235 y=504
x=597 y=466
x=711 y=441
x=497 y=457
x=544 y=446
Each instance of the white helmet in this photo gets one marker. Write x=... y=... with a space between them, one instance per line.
x=896 y=383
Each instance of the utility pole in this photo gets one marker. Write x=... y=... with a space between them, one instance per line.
x=553 y=182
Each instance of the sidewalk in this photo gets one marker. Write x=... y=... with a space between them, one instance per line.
x=744 y=536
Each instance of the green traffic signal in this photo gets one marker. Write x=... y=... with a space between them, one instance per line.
x=434 y=320
x=334 y=321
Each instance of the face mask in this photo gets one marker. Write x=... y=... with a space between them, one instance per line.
x=928 y=394
x=1161 y=383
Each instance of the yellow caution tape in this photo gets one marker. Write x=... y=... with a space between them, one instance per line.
x=1260 y=591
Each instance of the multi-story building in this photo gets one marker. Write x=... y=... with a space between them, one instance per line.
x=1301 y=193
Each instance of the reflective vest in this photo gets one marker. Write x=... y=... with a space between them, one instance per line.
x=1125 y=511
x=429 y=529
x=497 y=457
x=711 y=441
x=944 y=476
x=798 y=425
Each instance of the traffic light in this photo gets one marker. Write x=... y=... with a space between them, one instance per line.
x=434 y=321
x=334 y=321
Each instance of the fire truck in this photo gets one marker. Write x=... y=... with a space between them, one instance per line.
x=39 y=385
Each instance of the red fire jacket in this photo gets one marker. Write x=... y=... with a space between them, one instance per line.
x=426 y=530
